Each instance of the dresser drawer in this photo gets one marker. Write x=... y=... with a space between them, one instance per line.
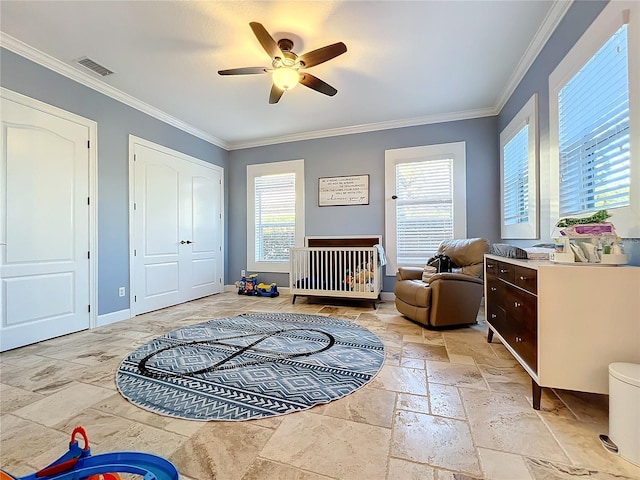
x=492 y=267
x=506 y=272
x=527 y=278
x=525 y=344
x=521 y=311
x=495 y=291
x=521 y=305
x=497 y=318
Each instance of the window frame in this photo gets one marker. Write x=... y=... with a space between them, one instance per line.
x=614 y=15
x=455 y=151
x=273 y=168
x=527 y=116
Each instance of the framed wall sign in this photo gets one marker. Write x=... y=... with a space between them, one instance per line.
x=347 y=190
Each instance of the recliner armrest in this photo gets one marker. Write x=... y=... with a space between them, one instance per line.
x=409 y=273
x=455 y=277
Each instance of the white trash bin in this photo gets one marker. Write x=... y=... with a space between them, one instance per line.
x=624 y=409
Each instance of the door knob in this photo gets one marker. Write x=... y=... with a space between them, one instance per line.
x=182 y=242
x=189 y=241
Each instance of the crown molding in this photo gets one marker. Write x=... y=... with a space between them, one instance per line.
x=41 y=58
x=548 y=26
x=364 y=128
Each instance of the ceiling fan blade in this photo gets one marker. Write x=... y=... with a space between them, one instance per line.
x=266 y=40
x=275 y=94
x=243 y=71
x=323 y=54
x=316 y=84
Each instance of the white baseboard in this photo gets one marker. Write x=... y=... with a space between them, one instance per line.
x=388 y=296
x=113 y=317
x=232 y=288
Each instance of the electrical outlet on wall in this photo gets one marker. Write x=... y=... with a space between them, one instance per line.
x=121 y=292
x=243 y=273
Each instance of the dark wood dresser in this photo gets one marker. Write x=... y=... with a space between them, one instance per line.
x=564 y=323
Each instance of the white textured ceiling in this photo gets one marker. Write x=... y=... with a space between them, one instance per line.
x=408 y=62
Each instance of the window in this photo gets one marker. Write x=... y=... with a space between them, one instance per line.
x=518 y=174
x=592 y=118
x=425 y=195
x=275 y=214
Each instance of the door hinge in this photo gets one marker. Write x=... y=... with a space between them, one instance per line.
x=88 y=143
x=89 y=307
x=89 y=254
x=135 y=298
x=135 y=205
x=134 y=157
x=88 y=200
x=135 y=252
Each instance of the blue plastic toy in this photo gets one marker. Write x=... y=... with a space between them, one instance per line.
x=265 y=290
x=79 y=464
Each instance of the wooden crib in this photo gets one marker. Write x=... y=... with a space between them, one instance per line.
x=344 y=267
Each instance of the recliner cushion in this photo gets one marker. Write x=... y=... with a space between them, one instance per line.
x=413 y=292
x=466 y=254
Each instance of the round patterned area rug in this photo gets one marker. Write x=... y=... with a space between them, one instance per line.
x=250 y=366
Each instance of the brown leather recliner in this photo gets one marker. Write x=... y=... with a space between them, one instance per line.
x=449 y=298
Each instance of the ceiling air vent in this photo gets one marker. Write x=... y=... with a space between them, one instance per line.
x=94 y=67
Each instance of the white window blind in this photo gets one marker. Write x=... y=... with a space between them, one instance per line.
x=275 y=216
x=516 y=178
x=593 y=113
x=424 y=208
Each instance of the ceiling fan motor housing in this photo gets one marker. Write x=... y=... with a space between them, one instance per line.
x=285 y=44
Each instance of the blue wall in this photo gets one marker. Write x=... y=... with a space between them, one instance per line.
x=115 y=122
x=576 y=21
x=364 y=154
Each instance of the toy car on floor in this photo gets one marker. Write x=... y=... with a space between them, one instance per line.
x=265 y=290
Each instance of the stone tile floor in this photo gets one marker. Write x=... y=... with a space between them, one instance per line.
x=445 y=406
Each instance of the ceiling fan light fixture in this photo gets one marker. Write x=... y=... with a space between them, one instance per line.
x=285 y=78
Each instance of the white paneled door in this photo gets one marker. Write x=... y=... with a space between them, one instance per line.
x=177 y=228
x=45 y=225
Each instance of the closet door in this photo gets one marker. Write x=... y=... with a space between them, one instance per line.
x=203 y=266
x=44 y=230
x=177 y=229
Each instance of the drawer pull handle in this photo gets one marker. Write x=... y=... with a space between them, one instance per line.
x=522 y=278
x=493 y=315
x=493 y=289
x=518 y=339
x=502 y=270
x=517 y=304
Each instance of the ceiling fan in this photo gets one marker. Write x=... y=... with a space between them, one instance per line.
x=287 y=68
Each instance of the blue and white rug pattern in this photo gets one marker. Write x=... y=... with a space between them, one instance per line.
x=250 y=366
